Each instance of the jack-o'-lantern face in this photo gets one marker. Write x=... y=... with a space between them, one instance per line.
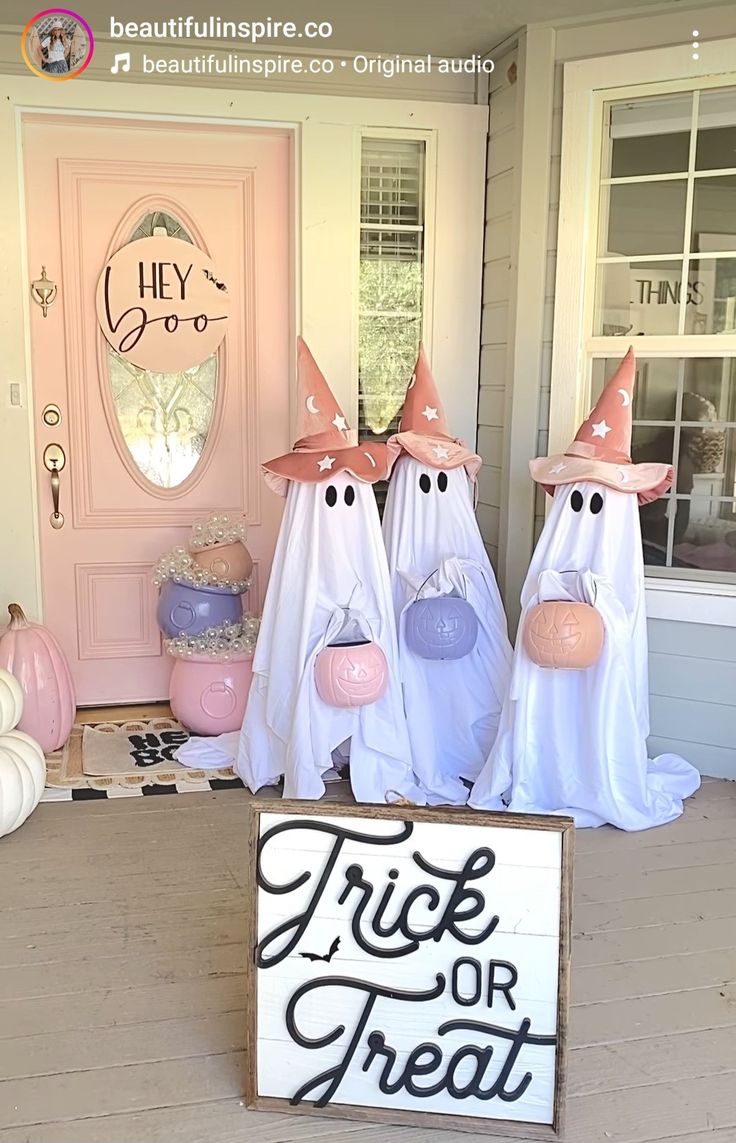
x=563 y=635
x=351 y=674
x=443 y=627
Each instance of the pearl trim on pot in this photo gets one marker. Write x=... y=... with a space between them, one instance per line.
x=178 y=564
x=217 y=529
x=220 y=643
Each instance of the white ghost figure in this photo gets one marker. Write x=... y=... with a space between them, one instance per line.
x=434 y=547
x=329 y=557
x=328 y=586
x=573 y=741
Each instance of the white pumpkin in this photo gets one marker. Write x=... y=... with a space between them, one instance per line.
x=22 y=778
x=11 y=701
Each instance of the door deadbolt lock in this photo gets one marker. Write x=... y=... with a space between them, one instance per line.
x=51 y=416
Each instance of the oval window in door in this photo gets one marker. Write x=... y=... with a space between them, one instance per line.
x=164 y=418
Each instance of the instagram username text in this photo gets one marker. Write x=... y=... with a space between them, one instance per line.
x=215 y=28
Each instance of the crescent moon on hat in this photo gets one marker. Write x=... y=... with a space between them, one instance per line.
x=413 y=381
x=625 y=398
x=310 y=404
x=370 y=458
x=622 y=476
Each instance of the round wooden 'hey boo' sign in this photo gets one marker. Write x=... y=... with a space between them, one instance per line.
x=161 y=304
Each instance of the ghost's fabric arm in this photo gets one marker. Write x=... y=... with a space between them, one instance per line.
x=595 y=590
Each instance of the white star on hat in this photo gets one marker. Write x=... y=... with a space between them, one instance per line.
x=558 y=468
x=430 y=413
x=340 y=423
x=326 y=462
x=601 y=429
x=440 y=452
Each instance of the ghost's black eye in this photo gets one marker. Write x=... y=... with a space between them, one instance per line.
x=596 y=503
x=331 y=496
x=576 y=501
x=442 y=482
x=349 y=495
x=424 y=482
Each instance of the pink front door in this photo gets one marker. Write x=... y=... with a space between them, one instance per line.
x=146 y=454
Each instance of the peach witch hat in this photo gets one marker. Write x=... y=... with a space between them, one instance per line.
x=601 y=451
x=326 y=444
x=423 y=431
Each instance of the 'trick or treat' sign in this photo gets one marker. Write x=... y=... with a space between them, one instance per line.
x=410 y=965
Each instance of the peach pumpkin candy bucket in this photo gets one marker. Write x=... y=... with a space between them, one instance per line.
x=563 y=635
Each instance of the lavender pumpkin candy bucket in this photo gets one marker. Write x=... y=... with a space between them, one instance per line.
x=184 y=609
x=441 y=627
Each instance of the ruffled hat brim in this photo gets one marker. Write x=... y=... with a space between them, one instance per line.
x=434 y=451
x=648 y=481
x=367 y=462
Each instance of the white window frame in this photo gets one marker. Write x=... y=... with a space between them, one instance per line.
x=588 y=84
x=429 y=230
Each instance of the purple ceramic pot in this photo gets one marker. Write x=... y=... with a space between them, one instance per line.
x=441 y=627
x=186 y=610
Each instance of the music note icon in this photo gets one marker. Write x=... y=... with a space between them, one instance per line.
x=122 y=63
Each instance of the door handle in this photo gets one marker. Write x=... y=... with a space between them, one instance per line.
x=54 y=459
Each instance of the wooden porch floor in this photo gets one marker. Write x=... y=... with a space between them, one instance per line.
x=121 y=991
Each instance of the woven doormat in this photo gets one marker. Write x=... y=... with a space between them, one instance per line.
x=127 y=759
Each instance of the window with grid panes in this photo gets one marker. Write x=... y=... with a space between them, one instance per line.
x=391 y=280
x=666 y=267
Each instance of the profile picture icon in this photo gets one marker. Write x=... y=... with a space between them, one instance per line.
x=57 y=44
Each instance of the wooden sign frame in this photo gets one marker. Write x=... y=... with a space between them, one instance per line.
x=399 y=1116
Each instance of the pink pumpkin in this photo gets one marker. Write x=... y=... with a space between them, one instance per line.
x=31 y=653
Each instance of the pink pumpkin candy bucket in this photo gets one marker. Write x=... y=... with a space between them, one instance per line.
x=352 y=670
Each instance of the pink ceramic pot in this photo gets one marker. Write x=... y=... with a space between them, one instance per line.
x=351 y=674
x=31 y=653
x=207 y=696
x=226 y=561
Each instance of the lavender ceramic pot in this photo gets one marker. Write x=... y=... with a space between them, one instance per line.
x=441 y=627
x=186 y=610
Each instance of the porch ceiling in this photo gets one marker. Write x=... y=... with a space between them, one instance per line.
x=383 y=26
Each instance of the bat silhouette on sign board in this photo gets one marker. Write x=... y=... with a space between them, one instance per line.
x=211 y=278
x=328 y=956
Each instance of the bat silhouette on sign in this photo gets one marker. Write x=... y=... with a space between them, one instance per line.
x=328 y=956
x=211 y=278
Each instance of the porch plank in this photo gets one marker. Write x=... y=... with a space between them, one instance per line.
x=653 y=977
x=103 y=1007
x=645 y=912
x=218 y=1121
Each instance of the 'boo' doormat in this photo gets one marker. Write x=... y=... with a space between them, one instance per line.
x=115 y=758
